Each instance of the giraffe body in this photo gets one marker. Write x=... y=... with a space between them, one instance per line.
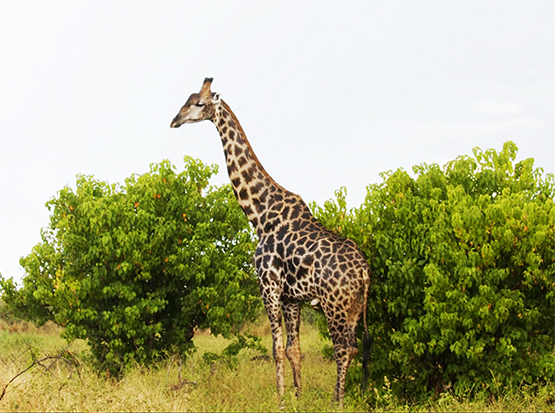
x=297 y=259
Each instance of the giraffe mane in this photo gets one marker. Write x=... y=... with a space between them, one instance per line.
x=262 y=169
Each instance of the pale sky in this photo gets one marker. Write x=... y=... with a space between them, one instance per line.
x=329 y=93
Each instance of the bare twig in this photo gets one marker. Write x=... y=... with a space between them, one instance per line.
x=46 y=368
x=15 y=377
x=180 y=364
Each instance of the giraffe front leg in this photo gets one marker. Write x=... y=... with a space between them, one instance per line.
x=292 y=315
x=270 y=290
x=274 y=314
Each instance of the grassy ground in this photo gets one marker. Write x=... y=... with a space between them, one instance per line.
x=68 y=384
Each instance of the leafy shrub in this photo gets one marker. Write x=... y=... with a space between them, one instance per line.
x=463 y=262
x=6 y=314
x=136 y=268
x=228 y=356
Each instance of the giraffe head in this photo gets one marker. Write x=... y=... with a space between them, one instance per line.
x=199 y=106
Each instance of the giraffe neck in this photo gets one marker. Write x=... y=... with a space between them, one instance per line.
x=256 y=191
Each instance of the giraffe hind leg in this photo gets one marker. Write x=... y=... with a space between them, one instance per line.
x=345 y=350
x=342 y=325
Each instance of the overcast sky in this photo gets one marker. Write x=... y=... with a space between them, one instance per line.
x=329 y=94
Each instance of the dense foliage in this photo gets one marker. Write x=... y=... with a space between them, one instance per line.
x=463 y=261
x=136 y=268
x=5 y=313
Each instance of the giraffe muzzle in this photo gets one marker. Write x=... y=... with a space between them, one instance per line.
x=175 y=123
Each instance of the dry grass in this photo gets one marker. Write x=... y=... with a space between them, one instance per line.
x=67 y=384
x=251 y=385
x=48 y=329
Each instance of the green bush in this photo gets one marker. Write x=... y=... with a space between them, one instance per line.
x=463 y=262
x=5 y=313
x=136 y=268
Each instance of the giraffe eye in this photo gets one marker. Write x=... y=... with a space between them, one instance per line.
x=200 y=104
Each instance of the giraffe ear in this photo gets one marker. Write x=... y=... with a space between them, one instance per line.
x=205 y=90
x=216 y=97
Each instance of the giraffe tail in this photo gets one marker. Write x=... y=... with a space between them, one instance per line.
x=366 y=353
x=366 y=345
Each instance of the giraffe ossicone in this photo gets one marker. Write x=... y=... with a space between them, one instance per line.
x=297 y=259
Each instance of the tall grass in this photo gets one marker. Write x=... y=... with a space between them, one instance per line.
x=67 y=383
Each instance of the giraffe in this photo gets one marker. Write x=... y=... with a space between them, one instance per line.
x=297 y=259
